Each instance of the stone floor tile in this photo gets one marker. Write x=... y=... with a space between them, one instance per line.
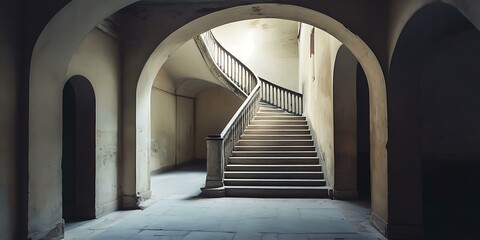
x=209 y=236
x=119 y=234
x=318 y=213
x=289 y=236
x=247 y=236
x=269 y=236
x=258 y=225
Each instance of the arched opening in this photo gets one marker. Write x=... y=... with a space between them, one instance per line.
x=78 y=150
x=49 y=62
x=363 y=136
x=351 y=128
x=345 y=124
x=373 y=72
x=433 y=135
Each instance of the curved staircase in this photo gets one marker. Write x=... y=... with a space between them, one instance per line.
x=266 y=150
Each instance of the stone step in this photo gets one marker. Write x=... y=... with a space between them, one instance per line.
x=278 y=122
x=274 y=175
x=280 y=118
x=269 y=168
x=289 y=127
x=273 y=114
x=273 y=160
x=269 y=109
x=274 y=142
x=284 y=138
x=280 y=192
x=274 y=148
x=274 y=154
x=273 y=182
x=277 y=132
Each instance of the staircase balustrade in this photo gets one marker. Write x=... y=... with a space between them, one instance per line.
x=283 y=98
x=220 y=147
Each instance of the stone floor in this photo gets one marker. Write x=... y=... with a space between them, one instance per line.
x=177 y=212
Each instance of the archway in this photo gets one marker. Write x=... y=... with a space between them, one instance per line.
x=49 y=62
x=351 y=128
x=359 y=49
x=345 y=124
x=363 y=136
x=431 y=106
x=78 y=150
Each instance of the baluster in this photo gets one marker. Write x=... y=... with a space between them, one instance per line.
x=297 y=109
x=276 y=97
x=290 y=102
x=236 y=73
x=267 y=86
x=244 y=79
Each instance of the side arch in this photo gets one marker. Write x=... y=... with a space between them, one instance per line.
x=345 y=124
x=78 y=150
x=407 y=113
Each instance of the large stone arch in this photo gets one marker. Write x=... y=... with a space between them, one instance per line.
x=406 y=97
x=56 y=45
x=359 y=49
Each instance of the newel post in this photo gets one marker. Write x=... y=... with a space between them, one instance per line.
x=214 y=184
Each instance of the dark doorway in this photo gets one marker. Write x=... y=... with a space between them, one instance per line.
x=363 y=136
x=78 y=152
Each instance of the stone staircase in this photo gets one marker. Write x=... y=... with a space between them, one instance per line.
x=275 y=157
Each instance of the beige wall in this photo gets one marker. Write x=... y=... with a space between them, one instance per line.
x=98 y=59
x=316 y=80
x=172 y=125
x=185 y=129
x=214 y=108
x=267 y=46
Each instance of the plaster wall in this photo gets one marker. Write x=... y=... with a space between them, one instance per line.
x=162 y=154
x=172 y=125
x=185 y=129
x=8 y=121
x=214 y=108
x=267 y=46
x=317 y=56
x=98 y=59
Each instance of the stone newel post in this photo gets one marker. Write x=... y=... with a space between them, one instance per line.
x=214 y=184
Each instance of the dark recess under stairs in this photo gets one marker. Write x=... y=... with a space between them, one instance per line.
x=275 y=157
